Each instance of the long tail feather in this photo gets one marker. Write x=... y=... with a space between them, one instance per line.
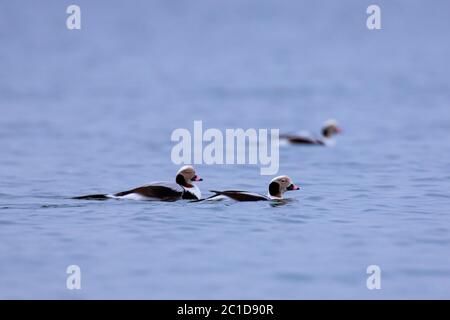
x=92 y=197
x=217 y=193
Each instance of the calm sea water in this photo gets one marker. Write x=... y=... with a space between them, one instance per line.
x=92 y=111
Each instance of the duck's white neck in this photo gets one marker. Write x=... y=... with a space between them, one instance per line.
x=273 y=197
x=329 y=142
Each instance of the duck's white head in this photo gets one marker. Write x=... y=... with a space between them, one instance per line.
x=186 y=176
x=279 y=185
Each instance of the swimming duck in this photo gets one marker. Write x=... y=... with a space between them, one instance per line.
x=183 y=188
x=329 y=130
x=277 y=187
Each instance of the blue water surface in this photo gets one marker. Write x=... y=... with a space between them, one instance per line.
x=92 y=110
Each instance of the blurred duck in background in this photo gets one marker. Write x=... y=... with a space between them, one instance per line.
x=329 y=130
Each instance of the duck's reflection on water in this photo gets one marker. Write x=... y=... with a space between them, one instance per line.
x=281 y=202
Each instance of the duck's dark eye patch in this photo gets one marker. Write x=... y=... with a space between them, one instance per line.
x=274 y=189
x=180 y=179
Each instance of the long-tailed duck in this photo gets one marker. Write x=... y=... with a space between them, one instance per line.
x=166 y=191
x=277 y=187
x=329 y=129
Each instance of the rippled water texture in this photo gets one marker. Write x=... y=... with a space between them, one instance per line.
x=92 y=111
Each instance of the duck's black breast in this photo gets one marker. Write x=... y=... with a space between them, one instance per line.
x=189 y=195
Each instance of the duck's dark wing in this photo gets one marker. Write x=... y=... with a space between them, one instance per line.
x=239 y=195
x=159 y=190
x=295 y=139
